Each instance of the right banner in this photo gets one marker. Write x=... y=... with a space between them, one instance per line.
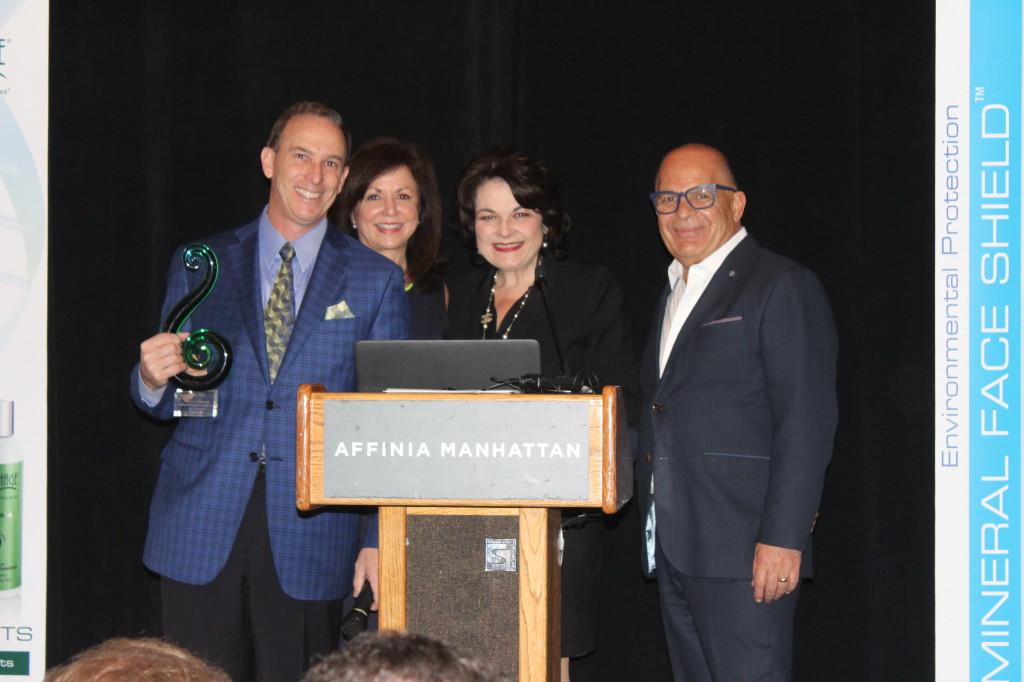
x=978 y=354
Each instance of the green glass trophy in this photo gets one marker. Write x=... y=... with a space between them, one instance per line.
x=203 y=349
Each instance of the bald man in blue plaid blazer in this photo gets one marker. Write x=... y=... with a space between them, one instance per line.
x=248 y=581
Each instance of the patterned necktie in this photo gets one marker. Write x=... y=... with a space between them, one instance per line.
x=279 y=315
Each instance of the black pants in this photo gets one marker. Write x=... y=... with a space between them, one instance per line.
x=243 y=621
x=716 y=631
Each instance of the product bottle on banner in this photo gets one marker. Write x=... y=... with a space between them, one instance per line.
x=10 y=504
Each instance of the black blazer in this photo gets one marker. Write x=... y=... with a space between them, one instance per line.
x=588 y=309
x=739 y=429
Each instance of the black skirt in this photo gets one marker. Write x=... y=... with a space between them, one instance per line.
x=581 y=581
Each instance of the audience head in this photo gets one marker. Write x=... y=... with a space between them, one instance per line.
x=389 y=656
x=136 y=660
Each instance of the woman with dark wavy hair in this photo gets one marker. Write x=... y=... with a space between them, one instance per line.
x=510 y=213
x=390 y=203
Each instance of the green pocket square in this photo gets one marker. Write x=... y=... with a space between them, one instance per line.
x=338 y=311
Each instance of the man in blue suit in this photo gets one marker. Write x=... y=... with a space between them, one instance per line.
x=248 y=581
x=739 y=420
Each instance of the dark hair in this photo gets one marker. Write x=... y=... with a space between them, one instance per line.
x=384 y=155
x=317 y=109
x=533 y=185
x=390 y=656
x=143 y=658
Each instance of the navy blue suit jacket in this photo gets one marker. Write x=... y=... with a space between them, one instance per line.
x=738 y=430
x=207 y=469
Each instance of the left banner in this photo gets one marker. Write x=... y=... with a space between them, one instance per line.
x=24 y=87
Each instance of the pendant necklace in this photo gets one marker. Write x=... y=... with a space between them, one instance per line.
x=489 y=313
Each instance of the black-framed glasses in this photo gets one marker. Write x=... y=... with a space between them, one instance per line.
x=699 y=198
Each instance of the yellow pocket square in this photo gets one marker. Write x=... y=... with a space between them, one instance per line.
x=338 y=311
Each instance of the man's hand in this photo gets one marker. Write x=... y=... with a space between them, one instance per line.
x=160 y=359
x=776 y=571
x=366 y=569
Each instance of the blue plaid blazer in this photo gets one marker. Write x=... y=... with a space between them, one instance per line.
x=207 y=470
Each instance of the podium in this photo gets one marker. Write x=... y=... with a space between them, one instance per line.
x=470 y=489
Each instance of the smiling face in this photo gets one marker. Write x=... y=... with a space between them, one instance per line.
x=387 y=215
x=692 y=235
x=306 y=173
x=508 y=236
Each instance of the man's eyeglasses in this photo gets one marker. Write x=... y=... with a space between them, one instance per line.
x=699 y=197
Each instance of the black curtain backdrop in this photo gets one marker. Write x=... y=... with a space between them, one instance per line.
x=159 y=111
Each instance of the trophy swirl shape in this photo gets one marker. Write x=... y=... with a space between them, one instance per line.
x=203 y=349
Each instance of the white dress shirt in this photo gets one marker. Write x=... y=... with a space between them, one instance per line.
x=686 y=293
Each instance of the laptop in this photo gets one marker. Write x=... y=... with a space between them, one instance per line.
x=442 y=365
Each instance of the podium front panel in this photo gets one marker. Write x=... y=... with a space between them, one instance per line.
x=445 y=449
x=431 y=449
x=462 y=576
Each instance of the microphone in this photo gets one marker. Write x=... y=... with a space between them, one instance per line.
x=355 y=621
x=541 y=277
x=547 y=383
x=551 y=383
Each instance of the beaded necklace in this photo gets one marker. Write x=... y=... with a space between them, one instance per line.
x=489 y=313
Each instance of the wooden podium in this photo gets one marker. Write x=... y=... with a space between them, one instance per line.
x=470 y=489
